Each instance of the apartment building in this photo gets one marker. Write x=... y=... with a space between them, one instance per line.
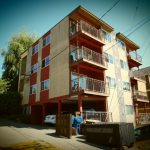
x=79 y=64
x=141 y=94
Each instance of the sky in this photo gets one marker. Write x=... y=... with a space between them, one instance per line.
x=38 y=16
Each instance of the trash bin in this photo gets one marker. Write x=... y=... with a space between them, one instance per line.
x=114 y=134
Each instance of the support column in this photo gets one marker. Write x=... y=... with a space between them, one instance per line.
x=136 y=114
x=43 y=113
x=59 y=106
x=80 y=104
x=145 y=111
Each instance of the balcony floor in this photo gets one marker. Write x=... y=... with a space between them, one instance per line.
x=88 y=63
x=88 y=37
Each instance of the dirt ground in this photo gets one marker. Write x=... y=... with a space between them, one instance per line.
x=141 y=145
x=31 y=145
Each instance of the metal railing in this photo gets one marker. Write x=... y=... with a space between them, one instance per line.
x=81 y=83
x=88 y=54
x=135 y=56
x=97 y=116
x=143 y=118
x=86 y=27
x=140 y=95
x=89 y=29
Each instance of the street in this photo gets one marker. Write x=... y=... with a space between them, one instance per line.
x=14 y=133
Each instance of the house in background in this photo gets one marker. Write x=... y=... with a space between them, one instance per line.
x=141 y=94
x=79 y=64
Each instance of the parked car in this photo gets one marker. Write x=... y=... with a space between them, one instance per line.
x=51 y=119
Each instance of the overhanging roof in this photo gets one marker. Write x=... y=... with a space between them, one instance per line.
x=130 y=43
x=84 y=12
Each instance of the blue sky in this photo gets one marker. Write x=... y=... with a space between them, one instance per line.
x=38 y=16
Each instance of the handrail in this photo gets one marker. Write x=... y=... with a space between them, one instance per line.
x=88 y=54
x=99 y=116
x=135 y=56
x=82 y=82
x=140 y=95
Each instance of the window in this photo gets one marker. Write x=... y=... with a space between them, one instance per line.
x=72 y=27
x=45 y=62
x=124 y=64
x=44 y=85
x=126 y=86
x=129 y=109
x=46 y=41
x=111 y=82
x=34 y=68
x=109 y=58
x=35 y=49
x=121 y=44
x=33 y=89
x=106 y=36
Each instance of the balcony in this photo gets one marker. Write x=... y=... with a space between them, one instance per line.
x=86 y=55
x=86 y=85
x=97 y=116
x=140 y=96
x=86 y=31
x=134 y=59
x=143 y=118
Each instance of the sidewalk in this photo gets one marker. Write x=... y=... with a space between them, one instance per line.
x=14 y=133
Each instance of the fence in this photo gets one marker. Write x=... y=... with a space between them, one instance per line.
x=143 y=118
x=64 y=125
x=88 y=54
x=97 y=116
x=89 y=84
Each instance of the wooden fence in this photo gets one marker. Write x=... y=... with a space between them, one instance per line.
x=64 y=125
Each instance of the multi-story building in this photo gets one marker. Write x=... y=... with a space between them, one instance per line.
x=141 y=94
x=79 y=64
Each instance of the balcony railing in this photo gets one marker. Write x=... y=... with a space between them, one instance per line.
x=97 y=116
x=83 y=83
x=143 y=118
x=85 y=27
x=135 y=56
x=88 y=54
x=140 y=95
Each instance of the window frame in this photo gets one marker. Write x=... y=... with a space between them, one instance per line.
x=106 y=35
x=46 y=62
x=111 y=81
x=46 y=40
x=35 y=49
x=126 y=86
x=33 y=69
x=44 y=85
x=121 y=44
x=129 y=109
x=34 y=86
x=109 y=58
x=124 y=64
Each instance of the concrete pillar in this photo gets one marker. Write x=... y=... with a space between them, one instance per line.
x=80 y=104
x=59 y=106
x=43 y=113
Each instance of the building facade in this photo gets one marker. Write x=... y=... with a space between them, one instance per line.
x=79 y=64
x=141 y=94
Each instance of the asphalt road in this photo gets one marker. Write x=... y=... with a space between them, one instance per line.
x=14 y=133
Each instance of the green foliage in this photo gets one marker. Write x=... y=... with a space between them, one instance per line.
x=4 y=86
x=17 y=44
x=10 y=103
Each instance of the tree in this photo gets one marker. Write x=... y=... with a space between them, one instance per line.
x=17 y=44
x=4 y=86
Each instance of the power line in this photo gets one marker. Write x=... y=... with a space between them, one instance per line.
x=139 y=27
x=110 y=8
x=107 y=43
